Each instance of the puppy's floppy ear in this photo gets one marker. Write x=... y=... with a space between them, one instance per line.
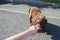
x=30 y=14
x=29 y=10
x=30 y=19
x=45 y=21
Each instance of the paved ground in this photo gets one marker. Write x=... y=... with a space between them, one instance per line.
x=14 y=19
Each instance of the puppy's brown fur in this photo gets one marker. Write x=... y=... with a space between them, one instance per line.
x=36 y=16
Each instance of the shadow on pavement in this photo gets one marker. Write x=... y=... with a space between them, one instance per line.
x=54 y=30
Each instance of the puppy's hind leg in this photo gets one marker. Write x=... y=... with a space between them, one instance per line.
x=30 y=20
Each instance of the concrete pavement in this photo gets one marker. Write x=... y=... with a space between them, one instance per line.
x=14 y=19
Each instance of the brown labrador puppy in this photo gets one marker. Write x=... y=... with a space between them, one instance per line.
x=36 y=16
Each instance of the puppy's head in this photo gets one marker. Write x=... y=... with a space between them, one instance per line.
x=41 y=19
